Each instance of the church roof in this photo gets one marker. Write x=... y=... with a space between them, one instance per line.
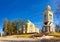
x=28 y=21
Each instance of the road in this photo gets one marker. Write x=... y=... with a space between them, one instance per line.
x=30 y=41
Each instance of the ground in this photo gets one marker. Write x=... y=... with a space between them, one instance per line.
x=57 y=35
x=52 y=37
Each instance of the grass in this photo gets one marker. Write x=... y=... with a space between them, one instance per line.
x=54 y=34
x=23 y=35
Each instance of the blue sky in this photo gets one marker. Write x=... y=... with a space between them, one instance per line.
x=25 y=9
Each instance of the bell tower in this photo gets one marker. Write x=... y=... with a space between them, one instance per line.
x=48 y=14
x=48 y=25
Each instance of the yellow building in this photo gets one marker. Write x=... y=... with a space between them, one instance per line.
x=29 y=28
x=48 y=25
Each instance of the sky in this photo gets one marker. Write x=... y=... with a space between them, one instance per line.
x=26 y=9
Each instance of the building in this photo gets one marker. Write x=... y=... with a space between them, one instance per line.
x=29 y=27
x=48 y=25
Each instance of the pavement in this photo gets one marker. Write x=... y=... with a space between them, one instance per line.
x=34 y=38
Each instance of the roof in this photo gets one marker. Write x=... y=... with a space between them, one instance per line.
x=28 y=21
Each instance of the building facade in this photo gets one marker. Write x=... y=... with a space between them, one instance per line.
x=29 y=28
x=48 y=25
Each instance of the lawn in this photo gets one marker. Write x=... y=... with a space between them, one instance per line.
x=54 y=34
x=23 y=35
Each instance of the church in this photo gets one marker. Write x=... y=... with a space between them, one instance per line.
x=29 y=28
x=48 y=25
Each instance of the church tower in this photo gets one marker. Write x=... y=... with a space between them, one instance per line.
x=48 y=25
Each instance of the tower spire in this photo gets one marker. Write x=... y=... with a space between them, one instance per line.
x=48 y=7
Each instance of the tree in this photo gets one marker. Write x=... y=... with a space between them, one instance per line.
x=58 y=28
x=5 y=26
x=9 y=28
x=15 y=26
x=20 y=26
